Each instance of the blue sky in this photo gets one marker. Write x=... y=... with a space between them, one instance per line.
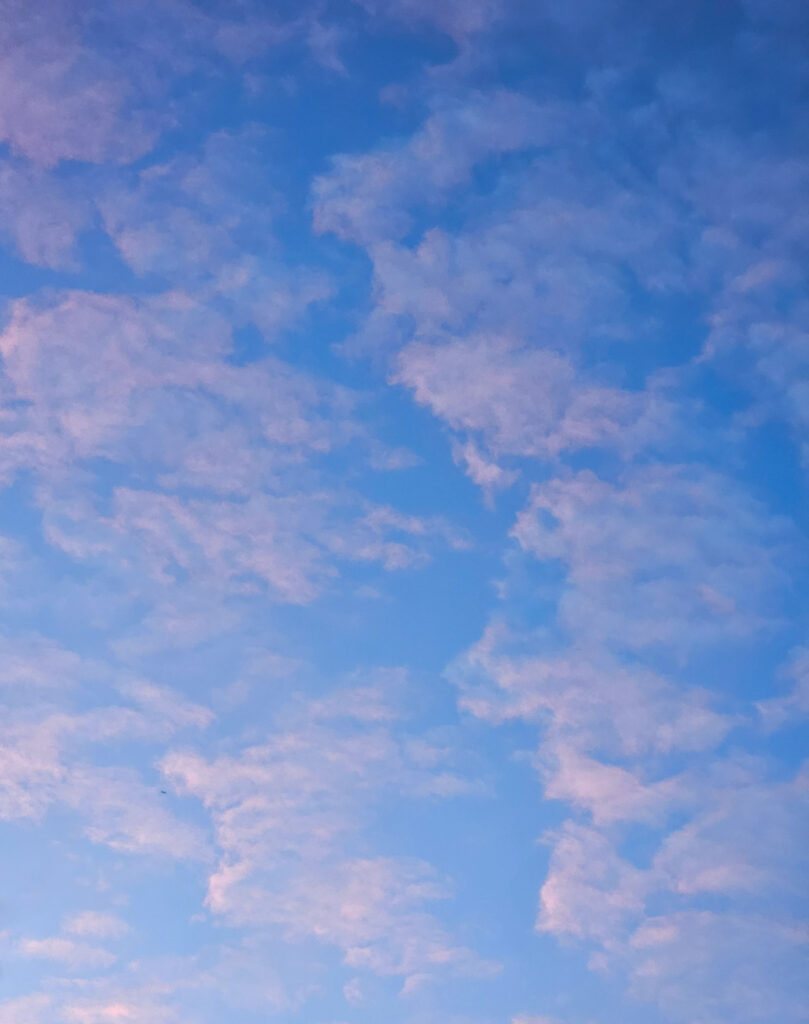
x=403 y=445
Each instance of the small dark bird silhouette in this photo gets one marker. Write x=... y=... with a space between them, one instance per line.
x=163 y=792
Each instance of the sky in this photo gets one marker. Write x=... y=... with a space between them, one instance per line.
x=404 y=432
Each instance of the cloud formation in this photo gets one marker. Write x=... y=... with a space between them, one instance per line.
x=403 y=440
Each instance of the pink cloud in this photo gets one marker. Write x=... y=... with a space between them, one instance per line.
x=519 y=400
x=366 y=198
x=587 y=699
x=286 y=815
x=41 y=216
x=720 y=966
x=96 y=924
x=590 y=892
x=608 y=792
x=369 y=909
x=458 y=18
x=30 y=1009
x=659 y=540
x=777 y=712
x=67 y=951
x=60 y=101
x=35 y=661
x=43 y=767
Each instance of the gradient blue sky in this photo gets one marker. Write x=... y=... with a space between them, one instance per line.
x=404 y=424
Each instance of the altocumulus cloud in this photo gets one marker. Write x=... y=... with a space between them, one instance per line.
x=403 y=441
